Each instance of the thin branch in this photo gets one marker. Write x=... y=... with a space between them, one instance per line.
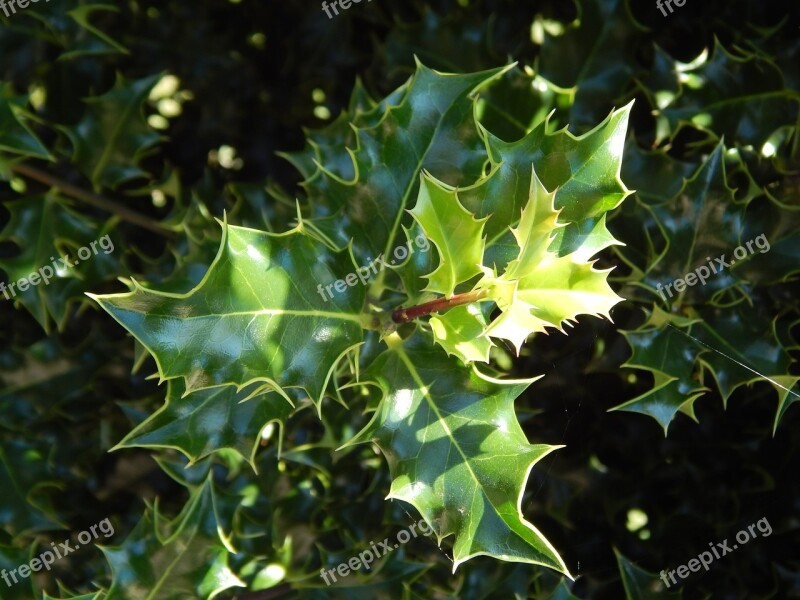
x=406 y=315
x=92 y=199
x=270 y=594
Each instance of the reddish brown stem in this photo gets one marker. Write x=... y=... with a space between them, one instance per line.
x=406 y=315
x=92 y=199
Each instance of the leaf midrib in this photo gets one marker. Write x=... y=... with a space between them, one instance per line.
x=115 y=135
x=418 y=380
x=356 y=318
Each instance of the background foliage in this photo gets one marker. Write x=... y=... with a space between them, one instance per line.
x=178 y=111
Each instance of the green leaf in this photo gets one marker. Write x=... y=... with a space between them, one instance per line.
x=11 y=558
x=743 y=347
x=700 y=224
x=24 y=475
x=655 y=176
x=460 y=332
x=209 y=421
x=514 y=105
x=46 y=229
x=113 y=136
x=670 y=356
x=745 y=336
x=324 y=146
x=736 y=346
x=596 y=55
x=257 y=316
x=185 y=558
x=584 y=169
x=742 y=98
x=98 y=42
x=642 y=585
x=382 y=583
x=779 y=222
x=540 y=289
x=414 y=270
x=15 y=136
x=68 y=25
x=456 y=234
x=432 y=128
x=457 y=453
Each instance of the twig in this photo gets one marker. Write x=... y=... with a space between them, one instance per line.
x=270 y=594
x=406 y=315
x=91 y=198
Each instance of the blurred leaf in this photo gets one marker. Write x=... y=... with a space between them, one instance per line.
x=742 y=98
x=111 y=139
x=595 y=55
x=15 y=136
x=184 y=558
x=701 y=224
x=23 y=475
x=47 y=229
x=208 y=421
x=641 y=585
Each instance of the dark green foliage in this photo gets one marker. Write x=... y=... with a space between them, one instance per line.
x=202 y=497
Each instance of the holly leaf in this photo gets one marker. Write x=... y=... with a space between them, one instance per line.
x=324 y=146
x=209 y=421
x=432 y=128
x=453 y=230
x=538 y=288
x=112 y=138
x=513 y=106
x=596 y=55
x=68 y=25
x=249 y=319
x=183 y=558
x=742 y=98
x=736 y=346
x=584 y=169
x=11 y=558
x=460 y=331
x=432 y=411
x=655 y=176
x=642 y=585
x=670 y=356
x=701 y=224
x=46 y=230
x=98 y=42
x=743 y=347
x=24 y=474
x=778 y=255
x=383 y=582
x=15 y=136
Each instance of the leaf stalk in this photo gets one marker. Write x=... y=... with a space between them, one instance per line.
x=406 y=315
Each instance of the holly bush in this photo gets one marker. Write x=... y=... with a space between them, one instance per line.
x=281 y=286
